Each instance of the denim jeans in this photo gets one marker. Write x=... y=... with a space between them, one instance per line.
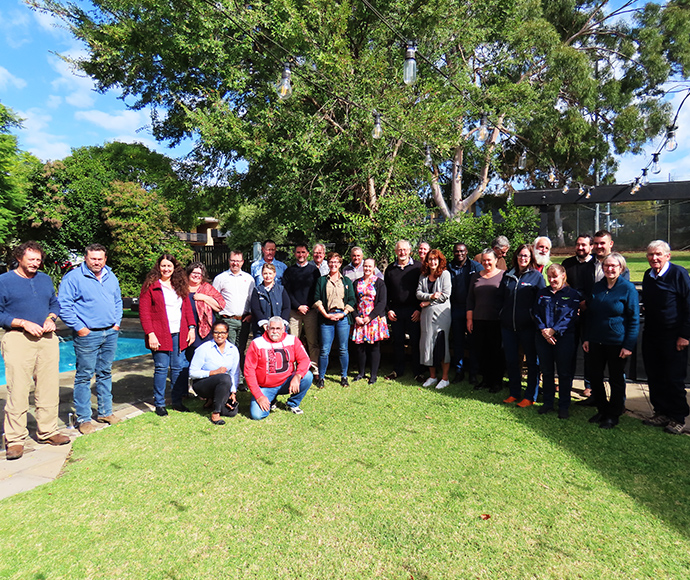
x=512 y=341
x=329 y=329
x=95 y=353
x=559 y=356
x=257 y=413
x=162 y=361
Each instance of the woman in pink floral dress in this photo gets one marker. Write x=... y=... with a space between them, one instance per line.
x=370 y=326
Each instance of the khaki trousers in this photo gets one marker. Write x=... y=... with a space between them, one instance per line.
x=28 y=361
x=310 y=323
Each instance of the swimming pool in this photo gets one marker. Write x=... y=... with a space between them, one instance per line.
x=129 y=344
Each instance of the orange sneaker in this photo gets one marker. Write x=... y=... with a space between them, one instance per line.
x=510 y=400
x=525 y=403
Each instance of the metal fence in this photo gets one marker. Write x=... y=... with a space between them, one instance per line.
x=633 y=224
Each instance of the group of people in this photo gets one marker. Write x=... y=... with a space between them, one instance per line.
x=474 y=316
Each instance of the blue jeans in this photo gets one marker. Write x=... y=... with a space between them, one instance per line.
x=95 y=353
x=512 y=341
x=329 y=329
x=258 y=413
x=559 y=356
x=162 y=361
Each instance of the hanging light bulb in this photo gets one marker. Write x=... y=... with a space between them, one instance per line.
x=580 y=190
x=552 y=176
x=410 y=66
x=428 y=161
x=671 y=143
x=483 y=130
x=284 y=88
x=655 y=163
x=522 y=162
x=566 y=186
x=635 y=186
x=378 y=131
x=645 y=177
x=589 y=193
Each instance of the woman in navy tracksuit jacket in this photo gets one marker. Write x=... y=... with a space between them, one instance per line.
x=612 y=322
x=556 y=313
x=518 y=290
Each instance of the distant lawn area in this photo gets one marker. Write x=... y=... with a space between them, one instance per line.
x=391 y=481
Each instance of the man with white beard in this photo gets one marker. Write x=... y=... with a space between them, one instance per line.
x=542 y=254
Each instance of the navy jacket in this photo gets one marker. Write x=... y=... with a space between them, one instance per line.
x=666 y=301
x=460 y=279
x=518 y=293
x=557 y=310
x=268 y=303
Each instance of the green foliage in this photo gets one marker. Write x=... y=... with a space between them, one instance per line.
x=519 y=224
x=140 y=228
x=13 y=175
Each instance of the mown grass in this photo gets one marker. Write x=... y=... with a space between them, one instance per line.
x=389 y=481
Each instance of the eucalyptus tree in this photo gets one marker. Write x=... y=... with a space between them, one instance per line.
x=209 y=69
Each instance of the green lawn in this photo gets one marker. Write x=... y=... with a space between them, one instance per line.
x=388 y=481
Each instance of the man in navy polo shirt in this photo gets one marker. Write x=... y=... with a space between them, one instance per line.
x=91 y=305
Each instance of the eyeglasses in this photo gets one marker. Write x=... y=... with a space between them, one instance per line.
x=219 y=333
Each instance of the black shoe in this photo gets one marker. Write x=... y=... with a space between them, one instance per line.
x=420 y=378
x=359 y=377
x=218 y=422
x=319 y=384
x=598 y=418
x=563 y=414
x=372 y=381
x=344 y=382
x=459 y=376
x=161 y=411
x=608 y=424
x=180 y=408
x=480 y=386
x=472 y=380
x=543 y=410
x=495 y=388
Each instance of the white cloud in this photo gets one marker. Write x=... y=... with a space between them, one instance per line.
x=79 y=89
x=35 y=139
x=127 y=122
x=53 y=102
x=7 y=78
x=14 y=26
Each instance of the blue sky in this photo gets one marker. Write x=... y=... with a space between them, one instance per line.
x=61 y=110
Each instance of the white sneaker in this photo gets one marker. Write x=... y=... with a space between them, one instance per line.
x=443 y=384
x=430 y=382
x=296 y=410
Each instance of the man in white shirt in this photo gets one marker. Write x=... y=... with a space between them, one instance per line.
x=318 y=255
x=236 y=287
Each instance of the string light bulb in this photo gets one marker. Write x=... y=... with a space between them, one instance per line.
x=580 y=190
x=410 y=66
x=656 y=168
x=589 y=193
x=284 y=88
x=552 y=176
x=428 y=161
x=522 y=162
x=378 y=131
x=635 y=186
x=483 y=130
x=645 y=177
x=566 y=186
x=671 y=143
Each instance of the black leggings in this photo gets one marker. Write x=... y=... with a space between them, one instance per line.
x=216 y=387
x=374 y=351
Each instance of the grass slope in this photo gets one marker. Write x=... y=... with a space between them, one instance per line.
x=388 y=481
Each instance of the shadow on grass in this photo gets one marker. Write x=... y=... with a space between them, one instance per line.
x=645 y=463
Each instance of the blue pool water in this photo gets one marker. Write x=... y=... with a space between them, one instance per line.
x=129 y=345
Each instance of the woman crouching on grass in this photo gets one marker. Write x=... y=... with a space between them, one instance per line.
x=556 y=313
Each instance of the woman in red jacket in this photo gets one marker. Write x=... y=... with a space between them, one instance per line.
x=166 y=313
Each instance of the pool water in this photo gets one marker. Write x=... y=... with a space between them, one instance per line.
x=128 y=345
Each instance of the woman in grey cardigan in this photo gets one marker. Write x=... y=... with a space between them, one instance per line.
x=433 y=292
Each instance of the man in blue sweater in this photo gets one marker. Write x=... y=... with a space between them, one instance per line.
x=666 y=301
x=28 y=310
x=91 y=305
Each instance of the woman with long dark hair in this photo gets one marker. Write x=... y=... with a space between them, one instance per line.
x=168 y=322
x=433 y=292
